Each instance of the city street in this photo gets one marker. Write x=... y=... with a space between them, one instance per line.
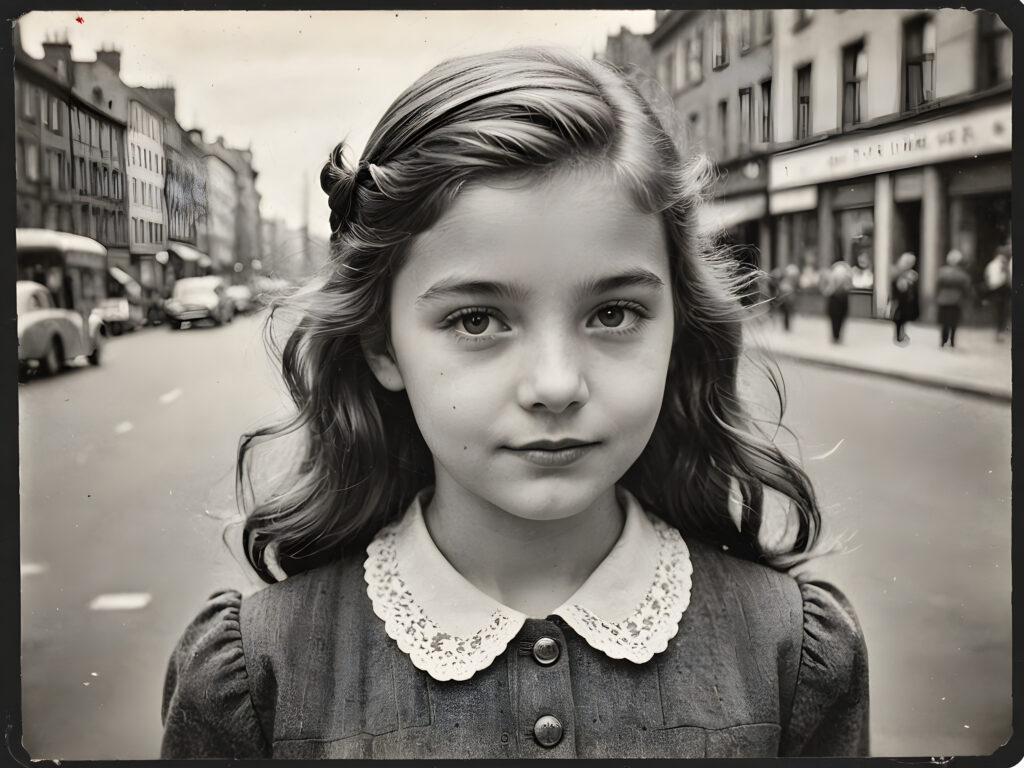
x=127 y=486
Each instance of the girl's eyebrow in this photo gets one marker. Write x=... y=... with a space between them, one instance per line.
x=635 y=276
x=454 y=286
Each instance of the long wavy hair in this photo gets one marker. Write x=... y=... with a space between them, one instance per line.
x=361 y=458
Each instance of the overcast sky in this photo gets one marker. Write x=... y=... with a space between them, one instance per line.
x=292 y=84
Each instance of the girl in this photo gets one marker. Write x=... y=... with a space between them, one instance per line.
x=510 y=531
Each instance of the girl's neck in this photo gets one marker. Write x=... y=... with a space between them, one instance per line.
x=532 y=566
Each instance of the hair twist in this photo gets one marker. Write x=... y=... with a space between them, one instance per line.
x=339 y=181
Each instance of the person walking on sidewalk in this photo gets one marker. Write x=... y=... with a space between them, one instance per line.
x=904 y=295
x=785 y=297
x=953 y=285
x=836 y=285
x=997 y=280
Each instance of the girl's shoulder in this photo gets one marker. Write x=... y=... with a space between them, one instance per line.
x=799 y=610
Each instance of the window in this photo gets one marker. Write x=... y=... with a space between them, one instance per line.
x=149 y=230
x=766 y=111
x=719 y=42
x=995 y=47
x=695 y=56
x=723 y=126
x=135 y=190
x=94 y=179
x=803 y=102
x=855 y=72
x=55 y=106
x=767 y=22
x=31 y=161
x=919 y=62
x=62 y=175
x=746 y=120
x=747 y=31
x=76 y=124
x=667 y=67
x=83 y=184
x=44 y=110
x=27 y=102
x=106 y=182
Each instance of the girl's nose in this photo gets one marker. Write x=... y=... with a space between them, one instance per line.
x=553 y=378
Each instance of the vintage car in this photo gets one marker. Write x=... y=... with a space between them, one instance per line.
x=199 y=298
x=122 y=310
x=49 y=336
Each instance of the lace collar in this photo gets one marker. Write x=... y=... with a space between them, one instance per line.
x=629 y=607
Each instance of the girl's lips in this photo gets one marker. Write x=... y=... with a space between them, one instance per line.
x=560 y=454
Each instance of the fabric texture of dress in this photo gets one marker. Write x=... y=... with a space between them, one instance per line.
x=754 y=663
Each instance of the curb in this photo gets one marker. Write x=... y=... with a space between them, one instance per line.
x=967 y=388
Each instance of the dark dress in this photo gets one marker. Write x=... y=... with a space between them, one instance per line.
x=761 y=666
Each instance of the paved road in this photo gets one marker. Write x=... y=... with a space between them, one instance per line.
x=127 y=487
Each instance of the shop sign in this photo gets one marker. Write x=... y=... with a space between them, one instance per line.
x=981 y=131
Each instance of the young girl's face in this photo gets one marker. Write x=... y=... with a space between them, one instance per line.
x=532 y=328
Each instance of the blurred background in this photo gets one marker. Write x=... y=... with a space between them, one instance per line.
x=167 y=188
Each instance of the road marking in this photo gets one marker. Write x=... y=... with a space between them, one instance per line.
x=170 y=397
x=32 y=569
x=120 y=601
x=124 y=426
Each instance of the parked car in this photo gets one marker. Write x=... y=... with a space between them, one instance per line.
x=241 y=297
x=122 y=310
x=49 y=336
x=199 y=298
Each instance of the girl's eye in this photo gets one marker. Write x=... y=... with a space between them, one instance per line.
x=476 y=323
x=611 y=317
x=621 y=315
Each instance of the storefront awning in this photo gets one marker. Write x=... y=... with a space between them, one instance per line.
x=186 y=252
x=793 y=200
x=728 y=212
x=131 y=287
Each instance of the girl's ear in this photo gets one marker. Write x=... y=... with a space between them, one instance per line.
x=381 y=359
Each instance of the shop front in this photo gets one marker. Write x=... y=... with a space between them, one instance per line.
x=924 y=187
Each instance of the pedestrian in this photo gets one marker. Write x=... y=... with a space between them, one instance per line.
x=523 y=450
x=836 y=285
x=904 y=296
x=789 y=282
x=953 y=286
x=998 y=283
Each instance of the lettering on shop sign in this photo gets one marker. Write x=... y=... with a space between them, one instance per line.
x=908 y=145
x=979 y=132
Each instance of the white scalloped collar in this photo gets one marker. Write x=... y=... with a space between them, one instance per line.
x=628 y=608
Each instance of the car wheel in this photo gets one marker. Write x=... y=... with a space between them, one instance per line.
x=97 y=351
x=154 y=316
x=53 y=360
x=116 y=328
x=175 y=325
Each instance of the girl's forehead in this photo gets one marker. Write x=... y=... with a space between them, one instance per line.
x=569 y=225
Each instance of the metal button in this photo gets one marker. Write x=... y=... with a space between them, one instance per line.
x=545 y=651
x=547 y=731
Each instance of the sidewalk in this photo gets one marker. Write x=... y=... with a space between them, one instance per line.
x=979 y=364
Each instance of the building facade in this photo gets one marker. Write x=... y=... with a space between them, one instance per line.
x=847 y=134
x=717 y=68
x=893 y=134
x=69 y=153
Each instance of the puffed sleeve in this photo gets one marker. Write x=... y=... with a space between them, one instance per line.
x=829 y=715
x=207 y=705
